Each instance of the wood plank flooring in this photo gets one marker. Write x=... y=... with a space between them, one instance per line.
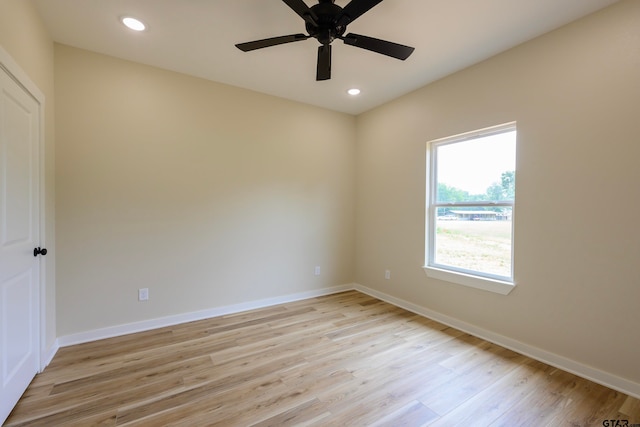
x=341 y=360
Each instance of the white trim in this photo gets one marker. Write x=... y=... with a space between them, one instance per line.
x=475 y=134
x=146 y=325
x=590 y=373
x=21 y=77
x=598 y=376
x=42 y=260
x=480 y=280
x=49 y=354
x=486 y=284
x=16 y=72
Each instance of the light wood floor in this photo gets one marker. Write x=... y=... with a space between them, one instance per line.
x=340 y=360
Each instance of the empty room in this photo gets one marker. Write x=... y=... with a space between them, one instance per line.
x=319 y=213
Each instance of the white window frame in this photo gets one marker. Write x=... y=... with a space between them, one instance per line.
x=479 y=280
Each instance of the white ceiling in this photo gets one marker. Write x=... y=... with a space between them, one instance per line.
x=197 y=37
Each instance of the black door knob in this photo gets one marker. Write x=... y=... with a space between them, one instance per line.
x=38 y=251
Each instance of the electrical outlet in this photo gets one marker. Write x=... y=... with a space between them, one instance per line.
x=143 y=294
x=316 y=271
x=387 y=274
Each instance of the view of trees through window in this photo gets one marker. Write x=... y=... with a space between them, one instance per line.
x=473 y=203
x=505 y=189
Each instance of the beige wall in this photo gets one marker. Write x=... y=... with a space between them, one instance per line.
x=575 y=94
x=25 y=38
x=206 y=194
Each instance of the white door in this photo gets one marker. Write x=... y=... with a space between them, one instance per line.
x=19 y=235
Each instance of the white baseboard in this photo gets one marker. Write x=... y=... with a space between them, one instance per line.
x=146 y=325
x=47 y=355
x=597 y=376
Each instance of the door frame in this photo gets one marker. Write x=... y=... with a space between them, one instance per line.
x=13 y=70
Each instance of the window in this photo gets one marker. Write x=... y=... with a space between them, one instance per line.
x=470 y=208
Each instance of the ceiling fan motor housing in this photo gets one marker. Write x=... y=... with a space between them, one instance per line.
x=328 y=29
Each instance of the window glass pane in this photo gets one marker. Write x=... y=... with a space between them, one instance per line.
x=480 y=169
x=474 y=238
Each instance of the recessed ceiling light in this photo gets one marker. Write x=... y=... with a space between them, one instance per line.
x=353 y=92
x=133 y=23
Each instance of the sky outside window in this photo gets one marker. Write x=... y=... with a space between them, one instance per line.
x=474 y=165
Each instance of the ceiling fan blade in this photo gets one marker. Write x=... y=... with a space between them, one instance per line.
x=273 y=41
x=301 y=8
x=355 y=9
x=384 y=47
x=323 y=71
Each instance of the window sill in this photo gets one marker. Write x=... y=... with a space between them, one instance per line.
x=486 y=284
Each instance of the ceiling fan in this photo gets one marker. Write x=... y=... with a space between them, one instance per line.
x=326 y=22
